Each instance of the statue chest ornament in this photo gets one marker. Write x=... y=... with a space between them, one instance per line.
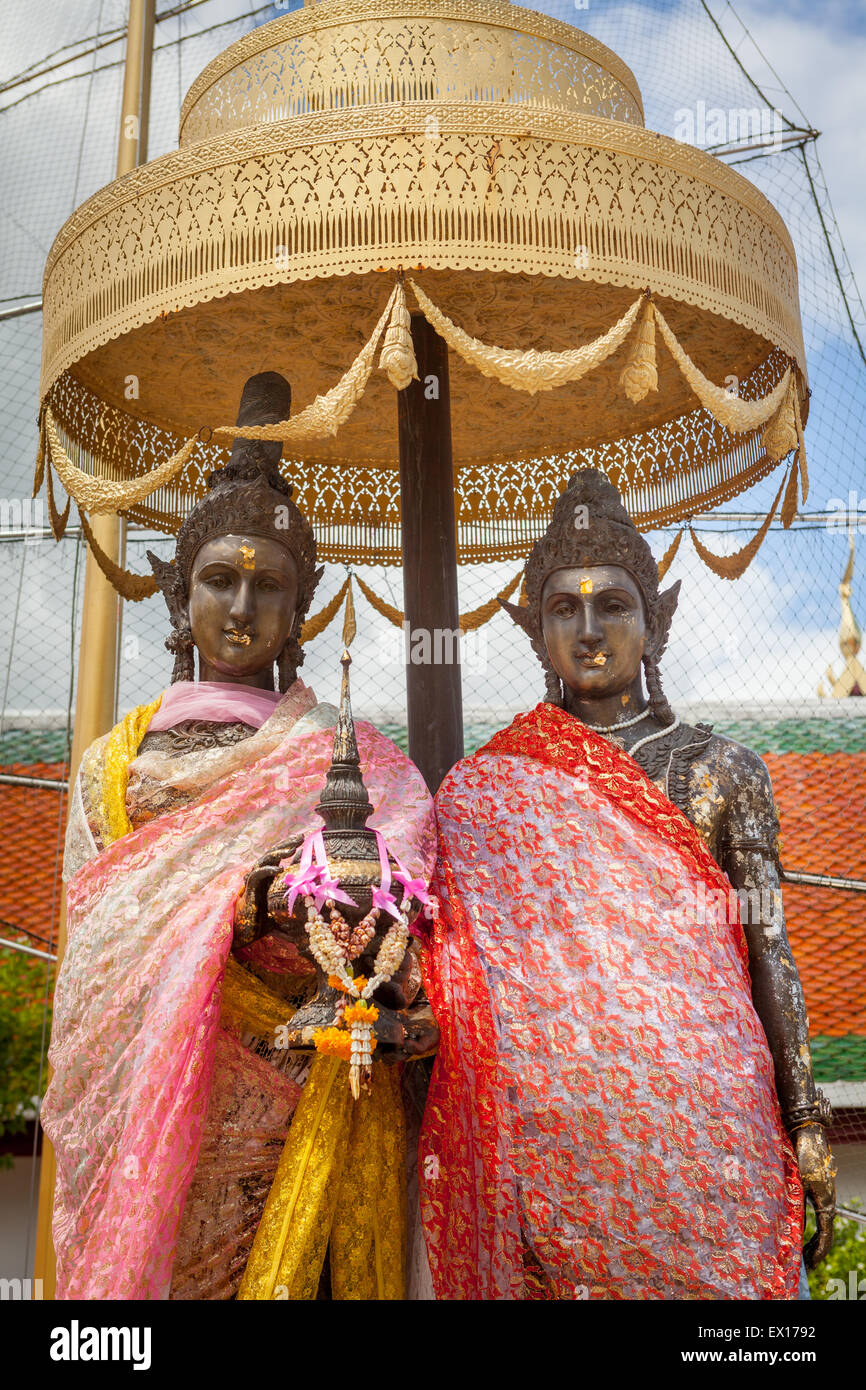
x=194 y=735
x=670 y=758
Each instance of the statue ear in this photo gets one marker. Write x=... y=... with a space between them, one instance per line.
x=660 y=627
x=169 y=582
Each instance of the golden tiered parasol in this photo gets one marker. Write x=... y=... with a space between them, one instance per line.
x=496 y=157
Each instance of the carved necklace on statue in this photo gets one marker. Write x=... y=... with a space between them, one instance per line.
x=666 y=765
x=648 y=764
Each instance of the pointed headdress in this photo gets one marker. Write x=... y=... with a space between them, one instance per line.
x=247 y=496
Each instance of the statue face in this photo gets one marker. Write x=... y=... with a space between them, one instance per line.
x=594 y=628
x=242 y=597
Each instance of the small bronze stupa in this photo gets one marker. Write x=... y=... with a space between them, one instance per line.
x=353 y=860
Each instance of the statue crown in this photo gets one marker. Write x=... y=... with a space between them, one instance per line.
x=247 y=496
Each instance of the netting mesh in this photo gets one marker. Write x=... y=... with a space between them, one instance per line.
x=749 y=655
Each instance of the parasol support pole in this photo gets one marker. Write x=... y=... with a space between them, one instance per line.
x=431 y=631
x=95 y=695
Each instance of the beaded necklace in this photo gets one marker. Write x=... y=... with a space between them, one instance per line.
x=607 y=730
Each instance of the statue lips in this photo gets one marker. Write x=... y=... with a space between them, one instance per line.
x=238 y=637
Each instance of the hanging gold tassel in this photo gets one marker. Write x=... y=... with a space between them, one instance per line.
x=349 y=625
x=40 y=457
x=668 y=558
x=58 y=520
x=319 y=621
x=732 y=566
x=397 y=359
x=789 y=505
x=132 y=586
x=804 y=475
x=779 y=435
x=387 y=610
x=640 y=375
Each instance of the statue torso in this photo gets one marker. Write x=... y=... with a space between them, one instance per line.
x=720 y=786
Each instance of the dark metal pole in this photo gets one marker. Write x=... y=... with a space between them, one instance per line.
x=429 y=538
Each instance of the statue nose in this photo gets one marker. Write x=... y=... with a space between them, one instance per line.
x=242 y=605
x=588 y=628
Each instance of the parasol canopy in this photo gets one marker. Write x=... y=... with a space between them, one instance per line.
x=496 y=157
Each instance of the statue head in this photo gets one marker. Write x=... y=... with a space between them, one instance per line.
x=244 y=570
x=594 y=610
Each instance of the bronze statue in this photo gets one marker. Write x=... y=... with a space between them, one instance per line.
x=191 y=1085
x=595 y=615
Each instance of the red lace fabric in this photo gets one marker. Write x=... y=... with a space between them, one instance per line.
x=602 y=1115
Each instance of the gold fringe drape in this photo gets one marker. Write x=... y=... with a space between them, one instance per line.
x=733 y=566
x=326 y=413
x=776 y=416
x=319 y=621
x=736 y=415
x=98 y=495
x=381 y=605
x=135 y=587
x=667 y=559
x=58 y=520
x=467 y=622
x=530 y=371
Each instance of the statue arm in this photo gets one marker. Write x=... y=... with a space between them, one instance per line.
x=750 y=859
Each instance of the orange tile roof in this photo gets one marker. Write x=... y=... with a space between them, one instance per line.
x=32 y=824
x=822 y=808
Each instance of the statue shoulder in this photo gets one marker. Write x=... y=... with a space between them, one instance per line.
x=736 y=765
x=742 y=779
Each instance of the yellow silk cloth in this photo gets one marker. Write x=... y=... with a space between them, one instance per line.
x=341 y=1179
x=121 y=748
x=247 y=1004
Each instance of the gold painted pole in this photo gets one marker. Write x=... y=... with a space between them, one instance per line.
x=100 y=621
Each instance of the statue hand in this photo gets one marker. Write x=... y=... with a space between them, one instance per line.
x=818 y=1174
x=251 y=910
x=404 y=984
x=421 y=1035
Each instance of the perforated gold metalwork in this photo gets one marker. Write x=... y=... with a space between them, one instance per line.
x=332 y=56
x=529 y=222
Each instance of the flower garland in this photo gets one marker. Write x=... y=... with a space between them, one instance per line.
x=334 y=945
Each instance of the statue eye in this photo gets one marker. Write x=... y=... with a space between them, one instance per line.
x=218 y=581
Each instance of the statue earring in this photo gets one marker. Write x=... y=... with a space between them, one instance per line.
x=288 y=661
x=182 y=646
